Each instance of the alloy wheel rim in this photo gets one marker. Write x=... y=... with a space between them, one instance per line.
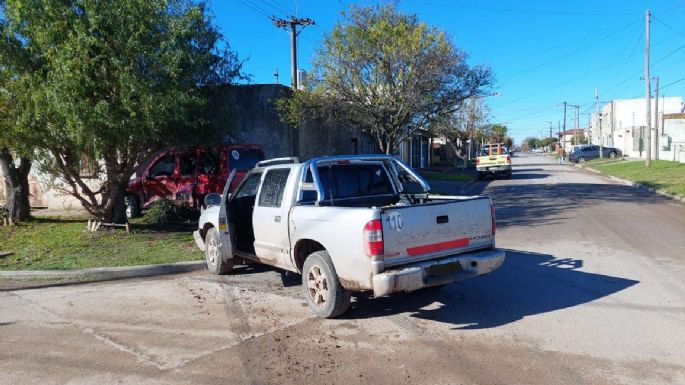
x=317 y=286
x=212 y=251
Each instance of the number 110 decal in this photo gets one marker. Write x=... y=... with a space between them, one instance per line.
x=395 y=221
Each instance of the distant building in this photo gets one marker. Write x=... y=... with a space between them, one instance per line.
x=672 y=137
x=621 y=123
x=573 y=137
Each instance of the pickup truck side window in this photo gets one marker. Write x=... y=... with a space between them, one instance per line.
x=209 y=162
x=249 y=186
x=164 y=166
x=186 y=163
x=347 y=181
x=243 y=159
x=273 y=187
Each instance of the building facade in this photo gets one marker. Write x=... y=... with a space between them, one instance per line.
x=621 y=123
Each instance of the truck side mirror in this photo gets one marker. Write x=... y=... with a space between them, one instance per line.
x=213 y=199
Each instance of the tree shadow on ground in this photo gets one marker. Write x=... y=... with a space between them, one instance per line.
x=527 y=284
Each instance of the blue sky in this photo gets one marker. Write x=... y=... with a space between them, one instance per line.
x=541 y=52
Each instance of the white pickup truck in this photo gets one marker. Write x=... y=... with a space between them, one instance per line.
x=346 y=224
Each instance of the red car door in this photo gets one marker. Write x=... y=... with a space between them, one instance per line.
x=209 y=178
x=158 y=181
x=186 y=177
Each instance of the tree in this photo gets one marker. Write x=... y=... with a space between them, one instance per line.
x=457 y=127
x=386 y=73
x=112 y=82
x=15 y=150
x=532 y=142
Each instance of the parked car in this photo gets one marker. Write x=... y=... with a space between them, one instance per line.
x=188 y=174
x=348 y=224
x=588 y=152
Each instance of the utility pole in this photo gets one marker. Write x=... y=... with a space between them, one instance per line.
x=576 y=120
x=599 y=122
x=560 y=136
x=656 y=120
x=551 y=142
x=293 y=22
x=648 y=95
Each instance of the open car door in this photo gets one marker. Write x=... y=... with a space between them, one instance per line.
x=226 y=233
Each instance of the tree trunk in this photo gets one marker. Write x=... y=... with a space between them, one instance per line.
x=115 y=209
x=16 y=185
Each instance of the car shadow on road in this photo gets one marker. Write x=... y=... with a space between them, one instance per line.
x=527 y=284
x=544 y=204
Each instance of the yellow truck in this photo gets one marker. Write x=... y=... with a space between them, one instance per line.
x=494 y=160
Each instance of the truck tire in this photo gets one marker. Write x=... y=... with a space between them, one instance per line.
x=322 y=289
x=132 y=207
x=612 y=155
x=218 y=262
x=481 y=175
x=509 y=174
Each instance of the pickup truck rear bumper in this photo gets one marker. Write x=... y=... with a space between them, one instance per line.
x=436 y=272
x=494 y=169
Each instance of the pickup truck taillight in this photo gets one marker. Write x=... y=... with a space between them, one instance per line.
x=477 y=161
x=508 y=159
x=494 y=222
x=373 y=239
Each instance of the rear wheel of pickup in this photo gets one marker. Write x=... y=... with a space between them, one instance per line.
x=322 y=289
x=481 y=175
x=217 y=260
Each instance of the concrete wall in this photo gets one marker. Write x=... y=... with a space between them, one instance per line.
x=257 y=121
x=672 y=142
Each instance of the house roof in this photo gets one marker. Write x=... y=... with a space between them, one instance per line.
x=675 y=116
x=574 y=131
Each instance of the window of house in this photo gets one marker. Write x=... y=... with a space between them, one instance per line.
x=88 y=167
x=273 y=187
x=164 y=166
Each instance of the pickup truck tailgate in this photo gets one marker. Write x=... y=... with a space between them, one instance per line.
x=436 y=229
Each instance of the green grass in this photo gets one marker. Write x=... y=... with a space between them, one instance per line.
x=663 y=175
x=430 y=176
x=58 y=244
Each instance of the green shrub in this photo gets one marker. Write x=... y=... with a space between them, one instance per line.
x=166 y=211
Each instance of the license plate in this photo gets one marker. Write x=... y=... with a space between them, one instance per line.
x=445 y=268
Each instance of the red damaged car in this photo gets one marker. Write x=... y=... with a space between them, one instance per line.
x=187 y=174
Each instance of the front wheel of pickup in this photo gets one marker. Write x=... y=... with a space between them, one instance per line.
x=217 y=261
x=322 y=289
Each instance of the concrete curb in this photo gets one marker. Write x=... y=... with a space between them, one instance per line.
x=104 y=273
x=638 y=186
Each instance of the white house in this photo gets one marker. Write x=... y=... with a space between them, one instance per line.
x=621 y=123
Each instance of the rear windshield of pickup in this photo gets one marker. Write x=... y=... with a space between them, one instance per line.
x=486 y=151
x=342 y=181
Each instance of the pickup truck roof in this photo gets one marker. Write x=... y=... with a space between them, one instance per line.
x=406 y=181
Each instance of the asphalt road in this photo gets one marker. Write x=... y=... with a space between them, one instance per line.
x=592 y=292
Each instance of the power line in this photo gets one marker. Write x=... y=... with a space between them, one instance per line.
x=672 y=83
x=522 y=10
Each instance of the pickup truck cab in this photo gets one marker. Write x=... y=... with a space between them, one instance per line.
x=495 y=160
x=348 y=224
